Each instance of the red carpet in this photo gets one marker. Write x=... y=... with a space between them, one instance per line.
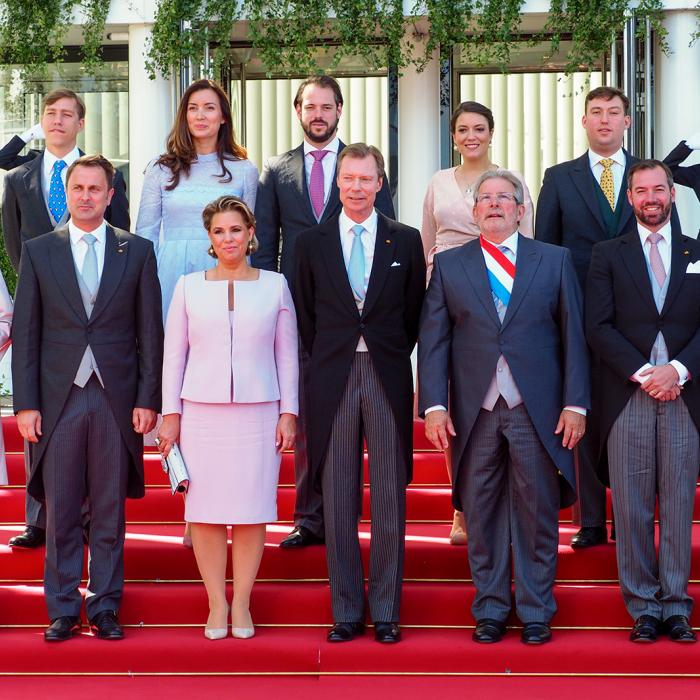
x=165 y=653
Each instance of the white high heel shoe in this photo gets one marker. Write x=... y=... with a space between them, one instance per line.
x=242 y=632
x=216 y=632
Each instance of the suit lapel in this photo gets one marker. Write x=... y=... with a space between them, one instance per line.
x=472 y=260
x=116 y=256
x=297 y=170
x=35 y=193
x=526 y=264
x=332 y=254
x=384 y=250
x=585 y=183
x=64 y=271
x=679 y=263
x=636 y=264
x=622 y=201
x=333 y=203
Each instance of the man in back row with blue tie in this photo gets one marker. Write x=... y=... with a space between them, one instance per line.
x=34 y=203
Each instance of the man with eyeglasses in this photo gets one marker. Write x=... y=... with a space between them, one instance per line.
x=502 y=332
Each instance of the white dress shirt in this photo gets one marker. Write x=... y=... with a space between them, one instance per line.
x=49 y=161
x=618 y=168
x=368 y=238
x=328 y=164
x=79 y=247
x=664 y=246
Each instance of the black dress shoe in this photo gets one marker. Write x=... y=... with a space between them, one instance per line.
x=488 y=631
x=646 y=629
x=345 y=631
x=31 y=538
x=106 y=626
x=300 y=537
x=589 y=537
x=387 y=632
x=62 y=628
x=678 y=629
x=535 y=633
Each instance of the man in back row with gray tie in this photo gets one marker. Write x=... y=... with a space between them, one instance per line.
x=298 y=190
x=33 y=203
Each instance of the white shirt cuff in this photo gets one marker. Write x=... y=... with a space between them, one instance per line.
x=637 y=376
x=576 y=409
x=693 y=142
x=434 y=408
x=683 y=374
x=35 y=132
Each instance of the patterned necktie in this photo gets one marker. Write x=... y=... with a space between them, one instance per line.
x=89 y=273
x=499 y=269
x=356 y=264
x=316 y=185
x=57 y=192
x=655 y=262
x=607 y=183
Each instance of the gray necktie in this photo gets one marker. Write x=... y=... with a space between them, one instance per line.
x=89 y=272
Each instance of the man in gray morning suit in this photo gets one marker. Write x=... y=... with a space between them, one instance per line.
x=33 y=203
x=517 y=375
x=360 y=281
x=643 y=320
x=86 y=369
x=298 y=190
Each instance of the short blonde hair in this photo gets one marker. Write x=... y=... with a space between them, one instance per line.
x=231 y=203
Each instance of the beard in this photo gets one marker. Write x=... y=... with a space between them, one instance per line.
x=654 y=219
x=322 y=137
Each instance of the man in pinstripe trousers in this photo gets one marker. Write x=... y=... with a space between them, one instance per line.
x=643 y=320
x=359 y=285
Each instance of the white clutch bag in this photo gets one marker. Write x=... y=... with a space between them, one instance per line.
x=174 y=466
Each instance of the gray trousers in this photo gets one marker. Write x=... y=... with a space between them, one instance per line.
x=591 y=491
x=510 y=492
x=653 y=449
x=364 y=410
x=85 y=456
x=34 y=511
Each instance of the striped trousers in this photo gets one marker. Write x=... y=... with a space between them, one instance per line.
x=653 y=449
x=364 y=410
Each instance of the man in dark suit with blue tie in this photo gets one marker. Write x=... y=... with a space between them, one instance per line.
x=298 y=190
x=502 y=334
x=34 y=203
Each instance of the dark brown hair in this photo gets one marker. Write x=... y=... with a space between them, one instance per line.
x=96 y=161
x=230 y=203
x=607 y=93
x=362 y=150
x=649 y=164
x=324 y=81
x=181 y=152
x=59 y=94
x=471 y=108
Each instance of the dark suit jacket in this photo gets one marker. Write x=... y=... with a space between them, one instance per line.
x=541 y=338
x=24 y=213
x=50 y=332
x=10 y=154
x=283 y=210
x=330 y=324
x=688 y=176
x=622 y=322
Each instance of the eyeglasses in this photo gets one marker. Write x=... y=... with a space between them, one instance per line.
x=499 y=197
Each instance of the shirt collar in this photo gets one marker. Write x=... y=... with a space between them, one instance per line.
x=511 y=243
x=665 y=232
x=50 y=159
x=369 y=224
x=595 y=158
x=76 y=234
x=332 y=146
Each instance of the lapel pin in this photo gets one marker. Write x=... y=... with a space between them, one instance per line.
x=387 y=241
x=686 y=252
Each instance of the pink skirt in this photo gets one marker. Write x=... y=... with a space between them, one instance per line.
x=229 y=450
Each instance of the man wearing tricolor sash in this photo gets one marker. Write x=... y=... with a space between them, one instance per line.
x=502 y=335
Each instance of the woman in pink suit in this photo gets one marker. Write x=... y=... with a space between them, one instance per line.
x=230 y=397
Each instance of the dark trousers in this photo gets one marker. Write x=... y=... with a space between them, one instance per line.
x=85 y=456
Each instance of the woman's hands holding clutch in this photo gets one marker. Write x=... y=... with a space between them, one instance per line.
x=169 y=433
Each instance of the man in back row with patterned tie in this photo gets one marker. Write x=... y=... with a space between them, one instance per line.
x=502 y=334
x=34 y=203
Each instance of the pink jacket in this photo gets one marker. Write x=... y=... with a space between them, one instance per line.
x=207 y=355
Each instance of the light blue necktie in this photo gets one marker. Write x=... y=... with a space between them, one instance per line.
x=57 y=192
x=90 y=264
x=356 y=264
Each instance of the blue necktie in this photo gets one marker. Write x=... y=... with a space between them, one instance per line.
x=57 y=193
x=356 y=264
x=89 y=273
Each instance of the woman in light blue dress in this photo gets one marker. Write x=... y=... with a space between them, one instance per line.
x=202 y=162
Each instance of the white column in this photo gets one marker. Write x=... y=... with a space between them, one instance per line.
x=419 y=139
x=151 y=112
x=678 y=104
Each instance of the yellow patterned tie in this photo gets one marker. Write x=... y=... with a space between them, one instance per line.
x=607 y=184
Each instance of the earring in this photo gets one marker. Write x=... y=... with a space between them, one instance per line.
x=211 y=252
x=249 y=249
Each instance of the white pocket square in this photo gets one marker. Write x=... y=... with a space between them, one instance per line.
x=395 y=264
x=693 y=268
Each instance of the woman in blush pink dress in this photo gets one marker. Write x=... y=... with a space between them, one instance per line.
x=448 y=221
x=230 y=397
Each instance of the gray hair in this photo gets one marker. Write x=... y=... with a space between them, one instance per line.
x=501 y=174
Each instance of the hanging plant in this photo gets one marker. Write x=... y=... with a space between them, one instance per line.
x=93 y=33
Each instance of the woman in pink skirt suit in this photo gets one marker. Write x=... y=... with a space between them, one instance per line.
x=230 y=398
